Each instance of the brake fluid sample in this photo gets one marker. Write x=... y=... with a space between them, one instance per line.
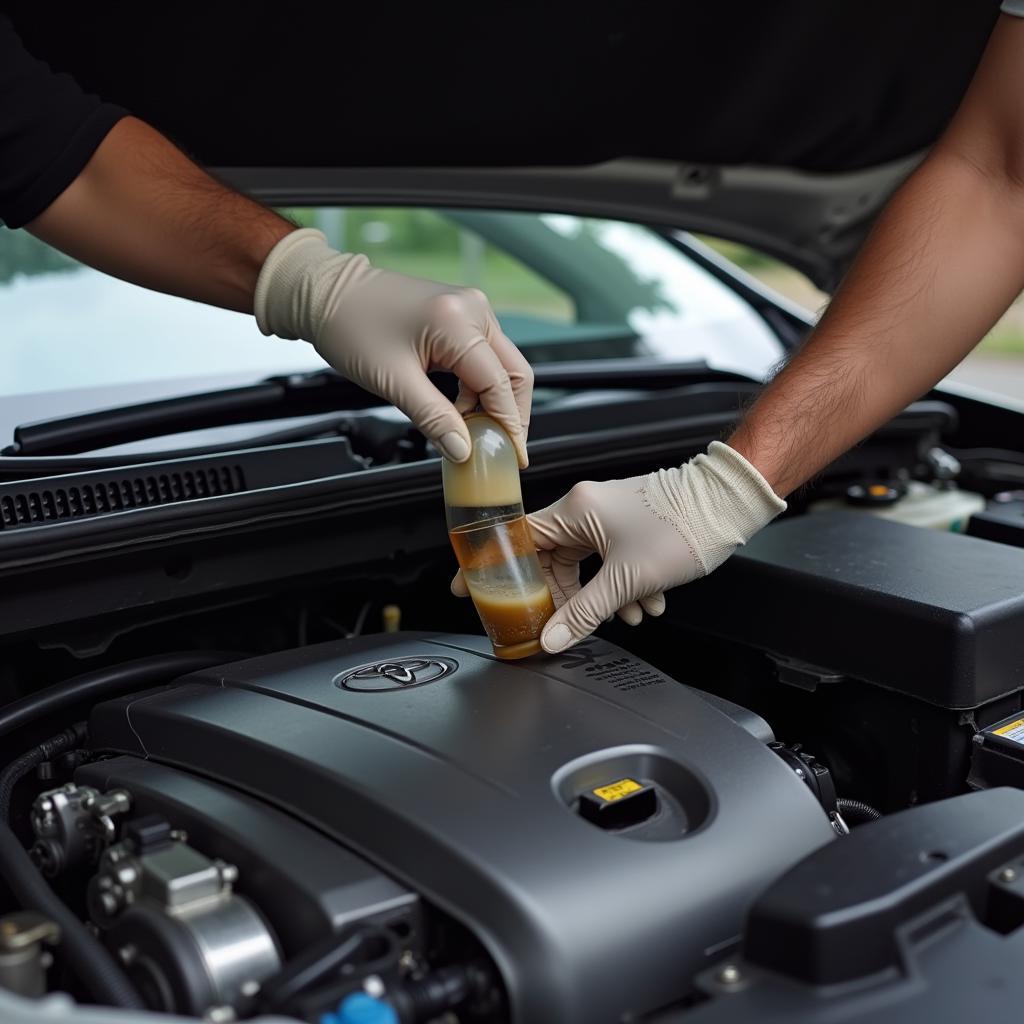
x=491 y=538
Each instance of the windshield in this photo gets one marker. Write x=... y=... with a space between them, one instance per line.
x=564 y=288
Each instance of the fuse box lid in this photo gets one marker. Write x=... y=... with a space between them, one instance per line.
x=934 y=615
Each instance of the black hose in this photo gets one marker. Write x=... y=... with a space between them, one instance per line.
x=158 y=668
x=439 y=992
x=47 y=750
x=372 y=947
x=91 y=963
x=856 y=812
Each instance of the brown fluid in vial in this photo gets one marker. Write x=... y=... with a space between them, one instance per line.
x=499 y=562
x=514 y=624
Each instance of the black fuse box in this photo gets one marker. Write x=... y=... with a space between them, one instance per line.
x=936 y=616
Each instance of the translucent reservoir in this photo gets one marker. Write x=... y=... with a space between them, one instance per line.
x=492 y=541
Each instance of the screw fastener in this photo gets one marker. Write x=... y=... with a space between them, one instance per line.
x=109 y=902
x=1007 y=875
x=373 y=986
x=730 y=974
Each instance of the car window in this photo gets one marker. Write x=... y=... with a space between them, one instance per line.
x=564 y=288
x=428 y=243
x=778 y=276
x=995 y=366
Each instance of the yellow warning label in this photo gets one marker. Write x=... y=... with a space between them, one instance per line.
x=616 y=790
x=1012 y=730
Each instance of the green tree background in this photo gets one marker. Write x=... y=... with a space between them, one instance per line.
x=22 y=253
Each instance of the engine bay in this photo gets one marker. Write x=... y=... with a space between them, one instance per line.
x=242 y=785
x=547 y=808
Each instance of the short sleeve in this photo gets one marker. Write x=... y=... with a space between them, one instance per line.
x=49 y=128
x=1014 y=7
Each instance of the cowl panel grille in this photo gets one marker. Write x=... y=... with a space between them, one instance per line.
x=34 y=505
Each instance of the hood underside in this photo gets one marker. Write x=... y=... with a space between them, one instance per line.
x=820 y=88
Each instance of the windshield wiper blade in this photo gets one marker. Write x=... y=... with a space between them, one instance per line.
x=628 y=374
x=274 y=398
x=322 y=391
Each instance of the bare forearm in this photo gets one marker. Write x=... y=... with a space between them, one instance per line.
x=943 y=263
x=142 y=211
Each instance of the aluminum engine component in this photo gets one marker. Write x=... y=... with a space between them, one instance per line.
x=170 y=913
x=73 y=824
x=334 y=888
x=23 y=961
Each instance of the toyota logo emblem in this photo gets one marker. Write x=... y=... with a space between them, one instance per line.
x=395 y=674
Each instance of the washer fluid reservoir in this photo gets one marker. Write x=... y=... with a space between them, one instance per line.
x=491 y=538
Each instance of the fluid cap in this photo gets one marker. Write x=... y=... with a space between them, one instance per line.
x=489 y=478
x=362 y=1009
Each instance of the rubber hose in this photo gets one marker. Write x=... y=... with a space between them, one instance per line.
x=856 y=811
x=48 y=749
x=158 y=668
x=328 y=958
x=98 y=971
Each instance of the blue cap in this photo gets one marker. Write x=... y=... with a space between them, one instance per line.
x=362 y=1009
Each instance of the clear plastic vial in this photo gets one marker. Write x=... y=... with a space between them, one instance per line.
x=491 y=538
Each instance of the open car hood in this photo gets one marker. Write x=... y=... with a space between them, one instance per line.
x=784 y=125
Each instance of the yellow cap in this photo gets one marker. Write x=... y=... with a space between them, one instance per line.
x=490 y=476
x=391 y=615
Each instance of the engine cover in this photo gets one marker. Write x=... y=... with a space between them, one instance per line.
x=601 y=828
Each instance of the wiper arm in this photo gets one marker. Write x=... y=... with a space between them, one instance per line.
x=322 y=391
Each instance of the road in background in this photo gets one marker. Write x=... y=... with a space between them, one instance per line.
x=1000 y=374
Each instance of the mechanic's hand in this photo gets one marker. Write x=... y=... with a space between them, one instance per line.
x=652 y=532
x=385 y=331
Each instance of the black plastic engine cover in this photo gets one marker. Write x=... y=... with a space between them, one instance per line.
x=934 y=615
x=460 y=776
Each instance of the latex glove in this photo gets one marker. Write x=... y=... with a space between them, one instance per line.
x=652 y=532
x=385 y=331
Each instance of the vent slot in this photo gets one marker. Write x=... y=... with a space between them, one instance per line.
x=34 y=504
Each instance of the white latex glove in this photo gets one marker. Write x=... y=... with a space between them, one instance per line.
x=385 y=331
x=653 y=532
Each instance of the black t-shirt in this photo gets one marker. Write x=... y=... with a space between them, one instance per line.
x=49 y=128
